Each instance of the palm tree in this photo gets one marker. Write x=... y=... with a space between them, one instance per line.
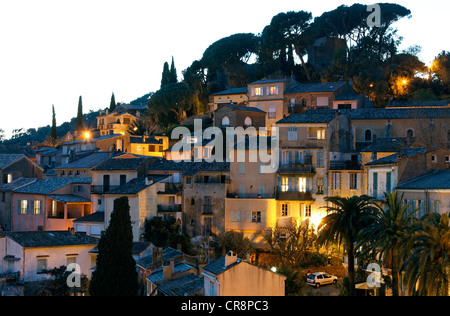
x=427 y=267
x=385 y=236
x=344 y=221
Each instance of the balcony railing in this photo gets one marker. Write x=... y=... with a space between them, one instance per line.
x=207 y=210
x=101 y=189
x=174 y=208
x=296 y=169
x=294 y=196
x=345 y=165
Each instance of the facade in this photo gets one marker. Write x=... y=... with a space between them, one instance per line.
x=236 y=96
x=119 y=121
x=231 y=276
x=327 y=95
x=46 y=205
x=29 y=253
x=229 y=115
x=16 y=166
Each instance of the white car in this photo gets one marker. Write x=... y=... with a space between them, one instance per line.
x=318 y=279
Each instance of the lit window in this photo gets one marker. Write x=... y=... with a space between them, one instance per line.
x=284 y=184
x=284 y=209
x=259 y=91
x=23 y=206
x=308 y=210
x=273 y=90
x=37 y=207
x=301 y=184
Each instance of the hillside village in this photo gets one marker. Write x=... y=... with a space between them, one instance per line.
x=332 y=142
x=259 y=173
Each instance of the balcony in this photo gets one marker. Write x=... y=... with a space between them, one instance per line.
x=294 y=196
x=207 y=210
x=101 y=189
x=174 y=208
x=303 y=167
x=345 y=165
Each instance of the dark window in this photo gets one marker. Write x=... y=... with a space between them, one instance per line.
x=123 y=179
x=368 y=135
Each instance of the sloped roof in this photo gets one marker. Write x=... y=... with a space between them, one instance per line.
x=315 y=87
x=387 y=145
x=232 y=91
x=185 y=285
x=407 y=153
x=39 y=239
x=120 y=164
x=97 y=217
x=15 y=184
x=310 y=116
x=418 y=104
x=49 y=185
x=431 y=181
x=218 y=266
x=68 y=198
x=167 y=254
x=87 y=162
x=8 y=159
x=190 y=167
x=157 y=275
x=136 y=185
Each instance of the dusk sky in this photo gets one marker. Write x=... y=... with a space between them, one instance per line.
x=53 y=51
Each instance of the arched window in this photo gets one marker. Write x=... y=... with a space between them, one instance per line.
x=225 y=121
x=248 y=121
x=410 y=133
x=368 y=135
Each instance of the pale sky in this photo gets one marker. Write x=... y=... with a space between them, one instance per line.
x=53 y=51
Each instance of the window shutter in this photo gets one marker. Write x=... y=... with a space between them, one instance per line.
x=253 y=91
x=249 y=216
x=263 y=216
x=314 y=185
x=325 y=185
x=30 y=209
x=358 y=181
x=348 y=181
x=19 y=206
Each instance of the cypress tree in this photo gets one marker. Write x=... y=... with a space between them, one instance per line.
x=116 y=269
x=165 y=75
x=173 y=78
x=53 y=133
x=112 y=104
x=80 y=124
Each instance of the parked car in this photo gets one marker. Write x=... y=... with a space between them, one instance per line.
x=318 y=279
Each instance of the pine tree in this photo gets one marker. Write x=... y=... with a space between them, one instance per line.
x=165 y=80
x=112 y=104
x=79 y=123
x=116 y=269
x=54 y=132
x=173 y=78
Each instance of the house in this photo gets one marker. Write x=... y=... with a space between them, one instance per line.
x=50 y=204
x=175 y=279
x=83 y=166
x=430 y=192
x=15 y=166
x=250 y=206
x=230 y=115
x=384 y=175
x=29 y=253
x=48 y=157
x=423 y=126
x=232 y=276
x=316 y=156
x=153 y=146
x=119 y=120
x=325 y=95
x=268 y=96
x=92 y=224
x=237 y=96
x=200 y=189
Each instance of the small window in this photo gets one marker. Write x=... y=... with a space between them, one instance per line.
x=259 y=91
x=41 y=265
x=410 y=133
x=447 y=158
x=273 y=90
x=368 y=135
x=272 y=112
x=433 y=158
x=308 y=210
x=292 y=134
x=23 y=207
x=248 y=121
x=284 y=209
x=37 y=207
x=256 y=217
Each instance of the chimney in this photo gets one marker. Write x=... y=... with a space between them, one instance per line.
x=148 y=181
x=168 y=270
x=72 y=232
x=230 y=258
x=157 y=255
